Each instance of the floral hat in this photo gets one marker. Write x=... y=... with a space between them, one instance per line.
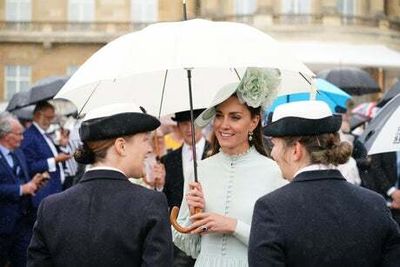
x=258 y=88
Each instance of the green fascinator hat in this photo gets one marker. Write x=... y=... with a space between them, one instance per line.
x=258 y=88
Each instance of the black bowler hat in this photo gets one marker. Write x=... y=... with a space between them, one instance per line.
x=185 y=115
x=116 y=120
x=302 y=118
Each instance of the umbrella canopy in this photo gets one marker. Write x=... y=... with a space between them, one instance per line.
x=392 y=92
x=150 y=66
x=43 y=90
x=357 y=120
x=326 y=91
x=383 y=132
x=46 y=89
x=354 y=81
x=18 y=100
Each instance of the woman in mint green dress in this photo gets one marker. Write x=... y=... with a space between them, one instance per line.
x=232 y=179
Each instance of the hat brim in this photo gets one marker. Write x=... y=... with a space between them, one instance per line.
x=295 y=126
x=117 y=125
x=208 y=115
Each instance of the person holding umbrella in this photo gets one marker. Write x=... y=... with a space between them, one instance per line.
x=234 y=177
x=105 y=220
x=319 y=219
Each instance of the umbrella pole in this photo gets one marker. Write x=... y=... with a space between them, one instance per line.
x=175 y=210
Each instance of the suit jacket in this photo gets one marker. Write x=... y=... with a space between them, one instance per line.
x=319 y=219
x=381 y=173
x=174 y=179
x=37 y=151
x=104 y=220
x=13 y=206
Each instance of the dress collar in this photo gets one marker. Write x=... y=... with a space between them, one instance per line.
x=239 y=156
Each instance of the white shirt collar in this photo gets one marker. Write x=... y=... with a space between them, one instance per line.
x=199 y=147
x=315 y=167
x=108 y=168
x=43 y=132
x=4 y=150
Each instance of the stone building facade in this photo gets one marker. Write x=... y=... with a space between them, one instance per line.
x=41 y=38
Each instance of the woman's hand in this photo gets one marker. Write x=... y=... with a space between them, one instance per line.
x=212 y=223
x=195 y=198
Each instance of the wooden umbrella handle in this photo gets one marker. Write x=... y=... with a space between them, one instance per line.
x=173 y=219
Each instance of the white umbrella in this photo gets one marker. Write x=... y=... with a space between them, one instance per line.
x=383 y=132
x=174 y=66
x=150 y=66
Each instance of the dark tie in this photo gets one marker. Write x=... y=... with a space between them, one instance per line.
x=15 y=162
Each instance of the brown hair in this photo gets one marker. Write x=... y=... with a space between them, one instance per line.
x=257 y=141
x=324 y=149
x=91 y=152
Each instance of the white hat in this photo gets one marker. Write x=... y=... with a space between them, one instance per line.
x=257 y=87
x=302 y=118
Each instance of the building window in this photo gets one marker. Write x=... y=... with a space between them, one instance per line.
x=144 y=11
x=17 y=79
x=18 y=10
x=71 y=69
x=296 y=6
x=245 y=7
x=81 y=10
x=296 y=11
x=347 y=7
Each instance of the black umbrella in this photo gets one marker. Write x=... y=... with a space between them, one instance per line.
x=18 y=100
x=43 y=90
x=357 y=120
x=354 y=81
x=25 y=113
x=392 y=92
x=46 y=89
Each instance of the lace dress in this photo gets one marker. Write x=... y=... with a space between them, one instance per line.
x=231 y=186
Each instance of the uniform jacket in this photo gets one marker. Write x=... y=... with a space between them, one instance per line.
x=104 y=220
x=319 y=219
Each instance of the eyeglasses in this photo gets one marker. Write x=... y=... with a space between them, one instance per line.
x=19 y=134
x=48 y=117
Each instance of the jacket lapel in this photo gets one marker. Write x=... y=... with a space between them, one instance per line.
x=6 y=167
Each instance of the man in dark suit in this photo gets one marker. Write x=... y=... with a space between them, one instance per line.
x=382 y=174
x=179 y=169
x=319 y=219
x=41 y=153
x=16 y=189
x=105 y=220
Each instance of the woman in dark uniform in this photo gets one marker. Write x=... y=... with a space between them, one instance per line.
x=105 y=220
x=319 y=219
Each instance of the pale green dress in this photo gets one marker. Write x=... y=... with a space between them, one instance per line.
x=231 y=186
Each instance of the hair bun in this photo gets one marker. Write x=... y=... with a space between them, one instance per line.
x=84 y=155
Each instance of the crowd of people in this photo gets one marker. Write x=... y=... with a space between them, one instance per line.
x=297 y=191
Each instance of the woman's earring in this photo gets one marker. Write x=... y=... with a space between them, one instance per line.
x=250 y=136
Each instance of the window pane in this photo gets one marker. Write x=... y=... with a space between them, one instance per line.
x=25 y=71
x=24 y=86
x=11 y=89
x=296 y=6
x=11 y=70
x=18 y=10
x=144 y=10
x=245 y=7
x=81 y=10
